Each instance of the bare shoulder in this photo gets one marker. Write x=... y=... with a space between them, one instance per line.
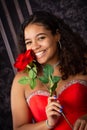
x=21 y=89
x=16 y=86
x=17 y=77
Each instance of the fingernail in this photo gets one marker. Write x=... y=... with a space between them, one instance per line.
x=55 y=96
x=61 y=107
x=60 y=110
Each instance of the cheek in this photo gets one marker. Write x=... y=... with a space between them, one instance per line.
x=53 y=49
x=49 y=43
x=53 y=45
x=28 y=47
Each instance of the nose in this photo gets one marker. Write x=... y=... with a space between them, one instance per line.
x=35 y=46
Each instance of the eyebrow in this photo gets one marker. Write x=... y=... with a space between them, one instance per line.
x=37 y=35
x=41 y=34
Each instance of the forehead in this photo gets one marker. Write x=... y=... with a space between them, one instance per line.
x=33 y=29
x=35 y=26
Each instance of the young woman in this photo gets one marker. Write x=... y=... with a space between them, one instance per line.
x=54 y=43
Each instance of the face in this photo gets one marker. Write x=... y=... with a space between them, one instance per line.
x=42 y=42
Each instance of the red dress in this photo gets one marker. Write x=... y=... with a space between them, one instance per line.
x=73 y=98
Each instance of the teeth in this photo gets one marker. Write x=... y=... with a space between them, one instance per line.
x=39 y=53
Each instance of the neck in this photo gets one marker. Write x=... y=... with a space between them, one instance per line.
x=55 y=65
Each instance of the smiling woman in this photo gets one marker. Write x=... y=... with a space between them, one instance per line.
x=41 y=40
x=53 y=43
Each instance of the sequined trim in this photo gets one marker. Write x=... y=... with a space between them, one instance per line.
x=38 y=92
x=45 y=93
x=83 y=82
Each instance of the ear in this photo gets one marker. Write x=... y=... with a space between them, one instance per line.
x=57 y=36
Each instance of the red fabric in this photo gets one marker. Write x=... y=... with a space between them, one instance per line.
x=74 y=102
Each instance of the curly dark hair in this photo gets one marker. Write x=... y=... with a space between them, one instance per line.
x=73 y=51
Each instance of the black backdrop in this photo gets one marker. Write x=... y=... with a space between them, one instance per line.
x=12 y=13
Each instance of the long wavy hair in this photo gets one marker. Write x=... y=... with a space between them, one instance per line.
x=73 y=51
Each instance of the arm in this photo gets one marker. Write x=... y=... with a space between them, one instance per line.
x=21 y=114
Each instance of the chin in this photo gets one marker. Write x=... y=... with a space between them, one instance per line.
x=41 y=61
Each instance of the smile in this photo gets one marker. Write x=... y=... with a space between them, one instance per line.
x=40 y=54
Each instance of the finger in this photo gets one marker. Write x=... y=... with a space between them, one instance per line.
x=54 y=98
x=53 y=108
x=50 y=99
x=77 y=124
x=54 y=113
x=53 y=103
x=83 y=124
x=51 y=112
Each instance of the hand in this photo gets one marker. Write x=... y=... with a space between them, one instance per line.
x=81 y=123
x=53 y=110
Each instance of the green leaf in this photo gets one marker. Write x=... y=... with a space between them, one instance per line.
x=24 y=80
x=33 y=83
x=34 y=69
x=55 y=79
x=44 y=79
x=33 y=73
x=48 y=70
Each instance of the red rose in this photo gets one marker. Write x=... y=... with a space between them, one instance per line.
x=24 y=59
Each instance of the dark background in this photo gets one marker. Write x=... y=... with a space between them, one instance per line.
x=13 y=13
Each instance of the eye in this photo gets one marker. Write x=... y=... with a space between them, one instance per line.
x=28 y=43
x=41 y=38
